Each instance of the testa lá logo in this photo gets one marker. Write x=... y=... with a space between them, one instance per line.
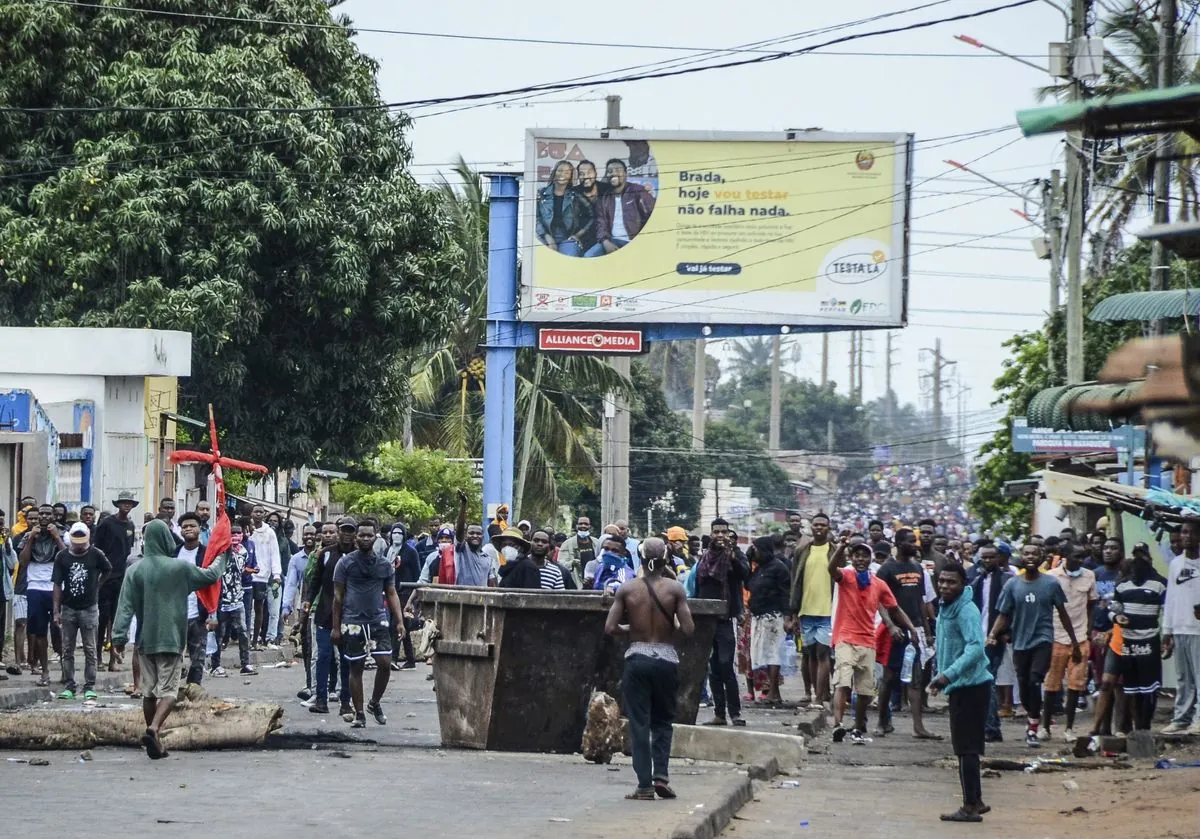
x=856 y=262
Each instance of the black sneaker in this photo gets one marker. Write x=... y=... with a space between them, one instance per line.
x=304 y=694
x=360 y=721
x=839 y=733
x=376 y=711
x=249 y=670
x=408 y=665
x=738 y=722
x=318 y=708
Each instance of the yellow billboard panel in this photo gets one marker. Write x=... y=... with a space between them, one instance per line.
x=796 y=228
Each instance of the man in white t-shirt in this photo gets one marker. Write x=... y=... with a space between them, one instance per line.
x=39 y=546
x=1181 y=629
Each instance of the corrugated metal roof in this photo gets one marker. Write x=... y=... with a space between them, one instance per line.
x=1147 y=305
x=1141 y=112
x=1072 y=408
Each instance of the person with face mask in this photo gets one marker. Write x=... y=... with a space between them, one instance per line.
x=580 y=549
x=614 y=569
x=516 y=568
x=1079 y=584
x=404 y=559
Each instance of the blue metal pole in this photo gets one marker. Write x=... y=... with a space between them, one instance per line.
x=500 y=400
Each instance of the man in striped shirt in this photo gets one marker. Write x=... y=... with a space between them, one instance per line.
x=1137 y=606
x=533 y=569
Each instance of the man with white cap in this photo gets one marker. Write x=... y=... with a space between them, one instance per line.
x=78 y=570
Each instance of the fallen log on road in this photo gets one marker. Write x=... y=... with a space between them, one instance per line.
x=193 y=726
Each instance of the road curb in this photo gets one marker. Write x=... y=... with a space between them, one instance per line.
x=712 y=820
x=10 y=699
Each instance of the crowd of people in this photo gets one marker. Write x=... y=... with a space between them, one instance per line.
x=877 y=611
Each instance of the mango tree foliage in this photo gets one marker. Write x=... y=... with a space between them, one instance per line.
x=294 y=245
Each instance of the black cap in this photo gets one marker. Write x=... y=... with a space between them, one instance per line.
x=883 y=548
x=347 y=523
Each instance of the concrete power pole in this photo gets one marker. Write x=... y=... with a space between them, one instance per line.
x=1051 y=204
x=614 y=478
x=858 y=392
x=940 y=363
x=853 y=367
x=1075 y=207
x=698 y=385
x=887 y=395
x=776 y=394
x=1160 y=262
x=824 y=359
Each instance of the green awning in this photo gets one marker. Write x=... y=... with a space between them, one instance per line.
x=1142 y=112
x=1147 y=305
x=1072 y=407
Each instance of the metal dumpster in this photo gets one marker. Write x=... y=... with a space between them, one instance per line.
x=515 y=668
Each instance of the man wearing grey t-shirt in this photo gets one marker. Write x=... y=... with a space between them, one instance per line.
x=362 y=583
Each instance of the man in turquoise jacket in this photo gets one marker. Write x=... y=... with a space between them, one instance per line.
x=963 y=675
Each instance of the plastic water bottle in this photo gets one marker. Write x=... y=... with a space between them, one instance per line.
x=910 y=656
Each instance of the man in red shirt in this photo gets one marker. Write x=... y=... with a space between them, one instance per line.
x=860 y=596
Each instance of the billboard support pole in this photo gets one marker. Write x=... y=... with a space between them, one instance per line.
x=503 y=333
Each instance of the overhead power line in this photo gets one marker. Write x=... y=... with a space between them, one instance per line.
x=536 y=88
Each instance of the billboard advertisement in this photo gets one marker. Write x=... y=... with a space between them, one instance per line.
x=798 y=228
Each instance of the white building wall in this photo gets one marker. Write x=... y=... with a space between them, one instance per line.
x=125 y=447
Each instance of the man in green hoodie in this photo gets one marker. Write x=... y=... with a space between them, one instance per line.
x=963 y=674
x=156 y=593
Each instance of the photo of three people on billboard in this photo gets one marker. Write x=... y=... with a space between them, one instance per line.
x=581 y=214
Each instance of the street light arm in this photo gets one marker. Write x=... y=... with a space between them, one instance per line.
x=967 y=39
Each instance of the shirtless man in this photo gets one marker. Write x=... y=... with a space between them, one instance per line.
x=653 y=605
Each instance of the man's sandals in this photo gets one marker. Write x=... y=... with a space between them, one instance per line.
x=154 y=746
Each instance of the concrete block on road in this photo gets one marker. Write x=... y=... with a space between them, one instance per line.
x=737 y=745
x=1141 y=744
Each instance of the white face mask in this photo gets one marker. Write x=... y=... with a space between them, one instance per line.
x=583 y=534
x=509 y=553
x=397 y=538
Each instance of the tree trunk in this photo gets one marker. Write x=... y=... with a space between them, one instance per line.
x=207 y=724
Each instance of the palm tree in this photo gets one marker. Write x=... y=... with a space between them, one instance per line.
x=448 y=377
x=750 y=354
x=1124 y=169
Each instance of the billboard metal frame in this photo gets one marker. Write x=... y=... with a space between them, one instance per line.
x=506 y=333
x=900 y=233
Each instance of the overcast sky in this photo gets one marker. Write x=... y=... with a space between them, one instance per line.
x=974 y=277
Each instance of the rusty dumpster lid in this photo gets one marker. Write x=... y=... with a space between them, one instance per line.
x=511 y=598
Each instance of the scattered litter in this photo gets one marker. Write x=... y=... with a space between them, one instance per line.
x=614 y=769
x=991 y=773
x=1172 y=763
x=410 y=728
x=246 y=682
x=410 y=715
x=38 y=761
x=1070 y=786
x=313 y=747
x=85 y=755
x=788 y=785
x=183 y=786
x=560 y=820
x=18 y=760
x=340 y=754
x=804 y=824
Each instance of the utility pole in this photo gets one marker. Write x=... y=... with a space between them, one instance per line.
x=614 y=479
x=1160 y=262
x=859 y=383
x=1051 y=205
x=824 y=359
x=776 y=395
x=940 y=363
x=698 y=384
x=853 y=365
x=1075 y=205
x=887 y=396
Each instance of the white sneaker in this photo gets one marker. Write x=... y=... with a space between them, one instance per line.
x=1194 y=728
x=307 y=703
x=1044 y=734
x=1174 y=728
x=1069 y=735
x=272 y=646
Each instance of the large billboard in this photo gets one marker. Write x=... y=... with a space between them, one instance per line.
x=800 y=228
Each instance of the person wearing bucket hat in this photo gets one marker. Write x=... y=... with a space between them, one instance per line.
x=114 y=537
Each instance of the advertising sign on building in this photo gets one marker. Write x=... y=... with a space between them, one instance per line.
x=595 y=341
x=1029 y=440
x=796 y=228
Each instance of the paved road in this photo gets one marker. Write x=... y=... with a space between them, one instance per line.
x=402 y=778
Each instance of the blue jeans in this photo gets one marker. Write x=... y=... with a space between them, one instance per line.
x=248 y=607
x=325 y=664
x=568 y=247
x=995 y=655
x=598 y=248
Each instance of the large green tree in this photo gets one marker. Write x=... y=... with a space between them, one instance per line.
x=664 y=475
x=732 y=451
x=238 y=180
